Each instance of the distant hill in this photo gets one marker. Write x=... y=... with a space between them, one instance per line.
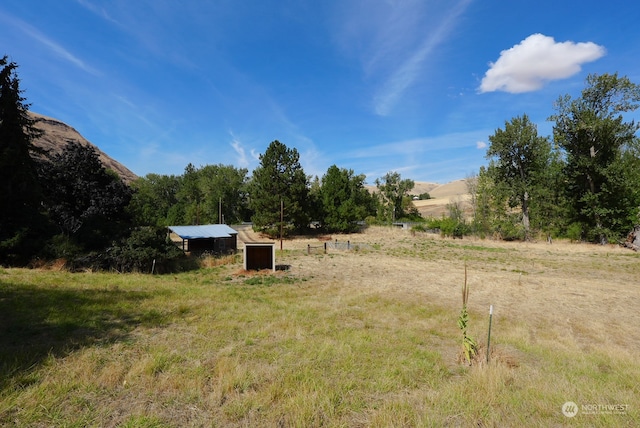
x=441 y=194
x=57 y=134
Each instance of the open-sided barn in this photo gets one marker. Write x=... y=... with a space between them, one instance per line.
x=215 y=238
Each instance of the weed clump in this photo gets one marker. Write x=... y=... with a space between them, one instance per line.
x=469 y=346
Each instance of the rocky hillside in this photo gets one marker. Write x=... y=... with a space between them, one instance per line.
x=57 y=134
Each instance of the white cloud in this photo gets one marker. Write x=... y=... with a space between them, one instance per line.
x=536 y=60
x=481 y=145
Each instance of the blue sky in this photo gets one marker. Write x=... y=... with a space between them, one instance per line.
x=374 y=86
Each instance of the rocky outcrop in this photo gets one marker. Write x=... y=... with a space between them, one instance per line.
x=57 y=134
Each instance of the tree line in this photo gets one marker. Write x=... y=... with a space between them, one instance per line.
x=582 y=184
x=277 y=198
x=67 y=206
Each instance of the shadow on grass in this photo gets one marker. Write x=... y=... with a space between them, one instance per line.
x=38 y=322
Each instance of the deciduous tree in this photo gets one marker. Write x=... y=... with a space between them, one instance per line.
x=87 y=202
x=224 y=193
x=601 y=166
x=520 y=158
x=154 y=201
x=393 y=190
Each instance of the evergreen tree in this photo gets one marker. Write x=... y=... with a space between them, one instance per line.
x=344 y=200
x=21 y=221
x=279 y=192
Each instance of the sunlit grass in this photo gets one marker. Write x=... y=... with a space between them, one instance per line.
x=222 y=347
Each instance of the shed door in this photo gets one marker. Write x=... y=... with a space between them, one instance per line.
x=259 y=257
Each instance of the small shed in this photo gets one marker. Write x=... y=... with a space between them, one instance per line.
x=260 y=255
x=216 y=238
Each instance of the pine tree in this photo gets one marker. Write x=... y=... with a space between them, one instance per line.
x=21 y=221
x=279 y=192
x=344 y=200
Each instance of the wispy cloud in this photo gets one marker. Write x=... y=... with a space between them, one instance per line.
x=98 y=10
x=410 y=69
x=241 y=158
x=536 y=60
x=57 y=49
x=415 y=146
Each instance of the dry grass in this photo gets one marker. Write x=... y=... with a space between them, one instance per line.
x=360 y=338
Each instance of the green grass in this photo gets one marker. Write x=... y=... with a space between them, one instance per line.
x=213 y=348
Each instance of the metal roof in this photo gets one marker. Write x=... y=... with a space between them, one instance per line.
x=203 y=231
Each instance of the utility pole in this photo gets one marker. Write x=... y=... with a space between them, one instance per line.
x=220 y=211
x=281 y=221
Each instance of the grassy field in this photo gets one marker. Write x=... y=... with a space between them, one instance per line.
x=359 y=338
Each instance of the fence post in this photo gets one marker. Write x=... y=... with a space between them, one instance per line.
x=348 y=245
x=308 y=249
x=325 y=248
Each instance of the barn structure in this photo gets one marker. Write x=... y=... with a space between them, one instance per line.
x=214 y=238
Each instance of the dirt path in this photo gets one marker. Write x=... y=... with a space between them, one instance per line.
x=246 y=234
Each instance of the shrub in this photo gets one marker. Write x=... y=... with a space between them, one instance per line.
x=574 y=232
x=144 y=247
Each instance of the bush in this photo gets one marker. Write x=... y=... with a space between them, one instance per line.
x=574 y=232
x=418 y=228
x=511 y=231
x=450 y=227
x=371 y=221
x=145 y=250
x=61 y=247
x=145 y=247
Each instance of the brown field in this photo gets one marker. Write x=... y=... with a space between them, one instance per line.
x=361 y=338
x=581 y=293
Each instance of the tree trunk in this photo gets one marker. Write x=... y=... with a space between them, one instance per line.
x=525 y=215
x=633 y=239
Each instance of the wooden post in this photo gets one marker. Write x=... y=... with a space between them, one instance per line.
x=281 y=221
x=489 y=335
